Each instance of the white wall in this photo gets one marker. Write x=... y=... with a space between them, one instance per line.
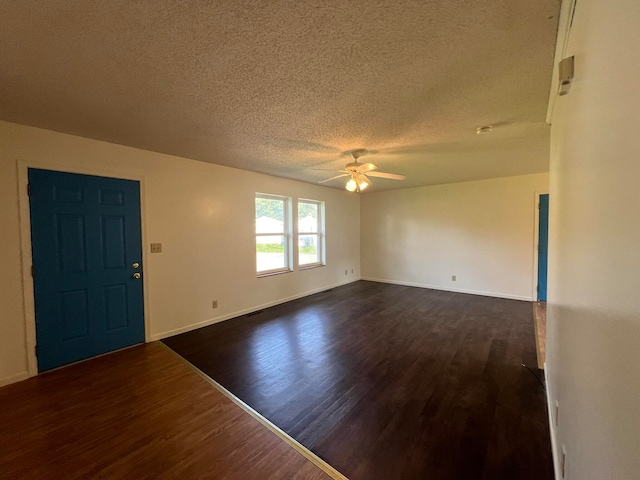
x=482 y=232
x=203 y=214
x=593 y=331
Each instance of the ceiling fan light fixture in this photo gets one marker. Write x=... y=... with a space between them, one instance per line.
x=363 y=182
x=357 y=183
x=359 y=173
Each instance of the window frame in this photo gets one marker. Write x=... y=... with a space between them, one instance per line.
x=286 y=234
x=320 y=233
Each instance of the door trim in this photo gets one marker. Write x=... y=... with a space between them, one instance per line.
x=27 y=256
x=536 y=233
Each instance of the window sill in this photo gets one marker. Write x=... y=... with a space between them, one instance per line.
x=272 y=273
x=311 y=265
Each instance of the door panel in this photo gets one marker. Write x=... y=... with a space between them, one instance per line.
x=70 y=236
x=74 y=313
x=543 y=242
x=115 y=303
x=113 y=242
x=85 y=235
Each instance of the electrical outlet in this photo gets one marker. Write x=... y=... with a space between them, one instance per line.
x=454 y=278
x=156 y=248
x=214 y=304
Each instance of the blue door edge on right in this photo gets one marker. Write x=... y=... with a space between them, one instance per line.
x=543 y=247
x=86 y=243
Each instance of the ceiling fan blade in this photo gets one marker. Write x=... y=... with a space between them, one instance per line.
x=333 y=178
x=366 y=167
x=391 y=176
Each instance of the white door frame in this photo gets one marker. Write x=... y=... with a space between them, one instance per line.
x=23 y=167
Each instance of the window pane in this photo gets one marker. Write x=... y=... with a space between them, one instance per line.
x=307 y=217
x=269 y=215
x=273 y=235
x=308 y=251
x=270 y=252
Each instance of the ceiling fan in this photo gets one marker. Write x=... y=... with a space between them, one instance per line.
x=360 y=173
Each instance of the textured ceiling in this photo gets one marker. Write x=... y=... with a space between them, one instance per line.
x=284 y=87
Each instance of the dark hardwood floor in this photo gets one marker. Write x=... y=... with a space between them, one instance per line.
x=140 y=413
x=391 y=382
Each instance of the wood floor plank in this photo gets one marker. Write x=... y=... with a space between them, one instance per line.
x=385 y=381
x=138 y=413
x=540 y=316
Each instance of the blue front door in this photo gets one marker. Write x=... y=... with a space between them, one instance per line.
x=86 y=244
x=543 y=243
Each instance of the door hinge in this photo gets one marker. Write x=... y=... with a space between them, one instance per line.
x=36 y=349
x=538 y=288
x=32 y=271
x=29 y=189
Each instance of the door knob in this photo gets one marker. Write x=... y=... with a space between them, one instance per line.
x=136 y=265
x=136 y=275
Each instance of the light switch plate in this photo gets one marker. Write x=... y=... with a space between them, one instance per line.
x=156 y=248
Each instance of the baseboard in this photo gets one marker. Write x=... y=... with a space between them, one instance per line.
x=448 y=289
x=239 y=313
x=14 y=378
x=552 y=428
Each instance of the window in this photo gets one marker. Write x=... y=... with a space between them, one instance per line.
x=310 y=233
x=273 y=219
